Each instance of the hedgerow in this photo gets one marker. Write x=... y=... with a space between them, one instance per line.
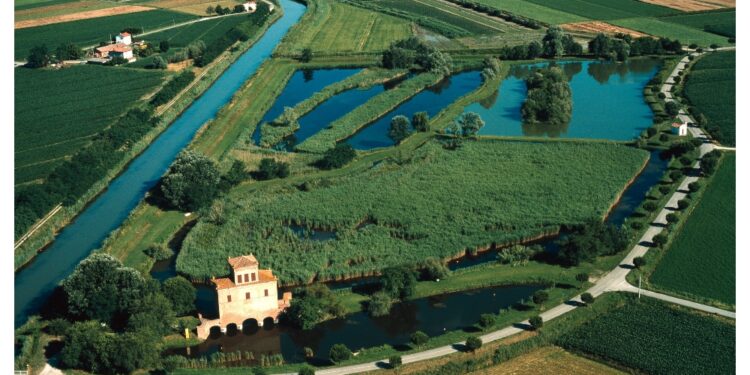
x=172 y=88
x=484 y=192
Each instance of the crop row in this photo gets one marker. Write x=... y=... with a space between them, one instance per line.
x=438 y=203
x=710 y=88
x=655 y=338
x=68 y=104
x=607 y=9
x=367 y=113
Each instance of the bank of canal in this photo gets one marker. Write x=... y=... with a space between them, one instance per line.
x=35 y=282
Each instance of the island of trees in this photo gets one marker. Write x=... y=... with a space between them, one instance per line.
x=549 y=99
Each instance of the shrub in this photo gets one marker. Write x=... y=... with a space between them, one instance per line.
x=270 y=168
x=663 y=138
x=540 y=297
x=675 y=175
x=651 y=132
x=306 y=370
x=191 y=182
x=582 y=277
x=694 y=186
x=516 y=255
x=486 y=320
x=536 y=322
x=339 y=353
x=665 y=189
x=672 y=218
x=433 y=269
x=306 y=55
x=649 y=206
x=473 y=343
x=337 y=157
x=636 y=225
x=682 y=204
x=58 y=327
x=394 y=361
x=380 y=304
x=639 y=262
x=660 y=239
x=420 y=121
x=661 y=95
x=587 y=298
x=419 y=338
x=158 y=252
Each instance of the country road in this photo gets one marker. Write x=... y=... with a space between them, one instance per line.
x=613 y=281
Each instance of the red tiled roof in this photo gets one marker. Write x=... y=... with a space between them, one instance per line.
x=243 y=261
x=117 y=47
x=125 y=33
x=223 y=283
x=266 y=275
x=677 y=124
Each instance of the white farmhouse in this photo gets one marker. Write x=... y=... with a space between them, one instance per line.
x=124 y=38
x=250 y=6
x=680 y=128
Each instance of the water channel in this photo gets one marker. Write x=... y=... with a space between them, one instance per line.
x=35 y=282
x=607 y=101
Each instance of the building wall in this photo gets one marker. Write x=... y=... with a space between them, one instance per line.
x=258 y=303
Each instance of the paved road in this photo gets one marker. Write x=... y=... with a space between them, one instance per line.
x=613 y=281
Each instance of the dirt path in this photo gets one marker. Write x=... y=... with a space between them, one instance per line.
x=125 y=9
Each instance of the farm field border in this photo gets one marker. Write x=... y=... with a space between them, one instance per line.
x=46 y=235
x=658 y=260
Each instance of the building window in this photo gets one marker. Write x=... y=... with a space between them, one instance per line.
x=247 y=295
x=266 y=292
x=229 y=298
x=253 y=275
x=246 y=278
x=239 y=279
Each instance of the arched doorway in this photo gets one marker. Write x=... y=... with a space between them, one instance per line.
x=214 y=332
x=249 y=326
x=232 y=329
x=268 y=323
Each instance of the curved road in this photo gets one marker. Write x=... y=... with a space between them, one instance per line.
x=613 y=281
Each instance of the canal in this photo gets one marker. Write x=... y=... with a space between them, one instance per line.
x=35 y=282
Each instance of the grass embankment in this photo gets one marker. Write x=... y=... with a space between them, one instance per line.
x=485 y=192
x=79 y=101
x=710 y=89
x=657 y=338
x=367 y=113
x=272 y=134
x=333 y=28
x=46 y=234
x=699 y=263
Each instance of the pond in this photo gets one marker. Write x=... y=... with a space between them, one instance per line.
x=303 y=84
x=607 y=101
x=35 y=283
x=432 y=100
x=433 y=315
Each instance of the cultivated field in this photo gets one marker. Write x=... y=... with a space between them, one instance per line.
x=694 y=5
x=534 y=11
x=207 y=31
x=606 y=9
x=106 y=12
x=701 y=259
x=60 y=9
x=466 y=21
x=484 y=192
x=197 y=7
x=594 y=27
x=549 y=360
x=30 y=4
x=658 y=27
x=710 y=87
x=657 y=338
x=718 y=22
x=91 y=31
x=58 y=111
x=336 y=27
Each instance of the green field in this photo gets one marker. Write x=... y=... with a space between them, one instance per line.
x=606 y=9
x=57 y=111
x=206 y=31
x=656 y=338
x=715 y=21
x=484 y=192
x=658 y=27
x=534 y=11
x=710 y=87
x=456 y=17
x=28 y=4
x=91 y=31
x=701 y=259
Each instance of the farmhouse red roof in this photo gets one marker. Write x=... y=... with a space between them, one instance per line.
x=243 y=261
x=125 y=33
x=117 y=47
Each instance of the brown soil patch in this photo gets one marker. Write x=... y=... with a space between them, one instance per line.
x=550 y=360
x=82 y=16
x=595 y=27
x=57 y=9
x=178 y=66
x=694 y=5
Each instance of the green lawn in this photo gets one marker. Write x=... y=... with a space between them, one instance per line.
x=701 y=259
x=58 y=111
x=484 y=192
x=91 y=31
x=654 y=337
x=710 y=87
